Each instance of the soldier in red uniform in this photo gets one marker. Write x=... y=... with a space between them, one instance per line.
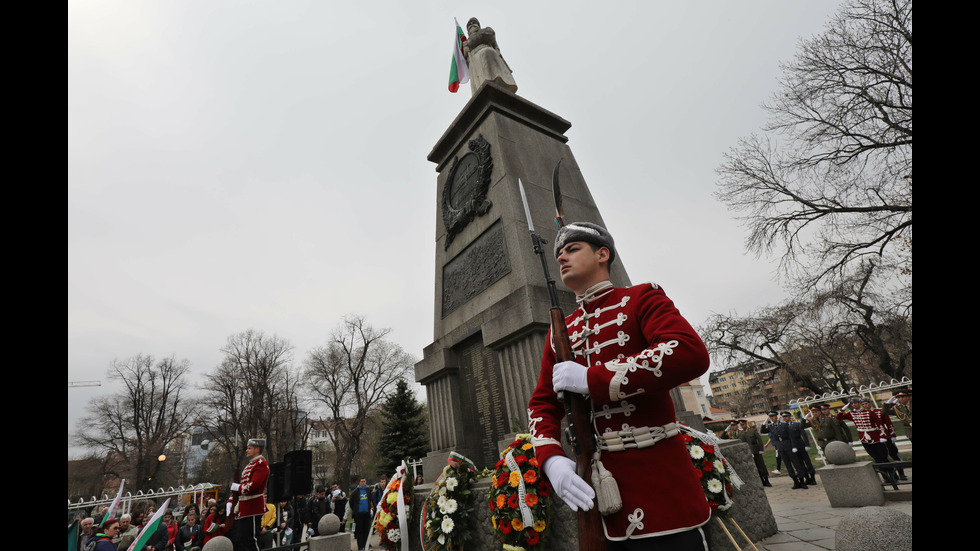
x=631 y=347
x=871 y=429
x=251 y=496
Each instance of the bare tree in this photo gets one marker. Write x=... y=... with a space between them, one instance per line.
x=880 y=331
x=838 y=338
x=253 y=394
x=829 y=182
x=135 y=426
x=350 y=377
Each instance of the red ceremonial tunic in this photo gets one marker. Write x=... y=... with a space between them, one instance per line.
x=251 y=500
x=868 y=423
x=637 y=347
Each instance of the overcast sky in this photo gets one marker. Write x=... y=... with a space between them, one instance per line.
x=236 y=165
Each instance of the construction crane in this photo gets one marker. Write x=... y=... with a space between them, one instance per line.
x=84 y=383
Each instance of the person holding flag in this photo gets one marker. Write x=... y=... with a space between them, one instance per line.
x=149 y=530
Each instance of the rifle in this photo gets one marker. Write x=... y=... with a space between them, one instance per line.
x=579 y=432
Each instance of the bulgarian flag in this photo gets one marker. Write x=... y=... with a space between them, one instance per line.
x=115 y=504
x=459 y=72
x=143 y=538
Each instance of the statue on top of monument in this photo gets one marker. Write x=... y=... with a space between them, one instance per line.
x=484 y=59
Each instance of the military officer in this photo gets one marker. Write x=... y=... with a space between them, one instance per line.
x=751 y=436
x=631 y=346
x=826 y=428
x=251 y=496
x=788 y=438
x=871 y=430
x=900 y=406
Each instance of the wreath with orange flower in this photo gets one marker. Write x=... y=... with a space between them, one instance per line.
x=519 y=497
x=386 y=520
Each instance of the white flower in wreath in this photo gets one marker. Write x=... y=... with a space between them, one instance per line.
x=442 y=490
x=449 y=507
x=719 y=466
x=441 y=502
x=697 y=452
x=448 y=525
x=715 y=486
x=394 y=535
x=442 y=539
x=451 y=483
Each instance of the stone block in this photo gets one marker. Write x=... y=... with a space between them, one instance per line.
x=335 y=542
x=855 y=485
x=875 y=529
x=751 y=509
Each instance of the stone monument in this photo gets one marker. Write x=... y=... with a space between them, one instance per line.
x=491 y=299
x=491 y=306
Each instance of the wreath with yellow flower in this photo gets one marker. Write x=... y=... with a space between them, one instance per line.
x=393 y=514
x=519 y=497
x=446 y=512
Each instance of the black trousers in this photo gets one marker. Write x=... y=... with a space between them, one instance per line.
x=362 y=527
x=805 y=462
x=794 y=466
x=247 y=533
x=690 y=540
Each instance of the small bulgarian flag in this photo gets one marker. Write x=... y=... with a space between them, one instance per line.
x=151 y=527
x=115 y=503
x=459 y=72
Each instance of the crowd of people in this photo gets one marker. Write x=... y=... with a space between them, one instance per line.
x=290 y=521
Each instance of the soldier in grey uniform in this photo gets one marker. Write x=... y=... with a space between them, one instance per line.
x=900 y=406
x=751 y=436
x=827 y=428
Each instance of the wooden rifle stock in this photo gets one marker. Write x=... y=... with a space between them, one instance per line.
x=591 y=536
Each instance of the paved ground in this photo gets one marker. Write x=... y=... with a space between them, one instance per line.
x=805 y=519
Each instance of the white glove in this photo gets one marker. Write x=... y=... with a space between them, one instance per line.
x=235 y=486
x=570 y=376
x=894 y=440
x=760 y=453
x=228 y=509
x=892 y=400
x=794 y=450
x=806 y=448
x=570 y=487
x=883 y=440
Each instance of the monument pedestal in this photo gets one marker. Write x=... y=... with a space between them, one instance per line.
x=492 y=305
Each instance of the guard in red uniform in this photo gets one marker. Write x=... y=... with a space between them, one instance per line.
x=251 y=496
x=631 y=347
x=871 y=428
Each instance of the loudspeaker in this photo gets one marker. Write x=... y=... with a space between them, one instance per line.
x=277 y=483
x=299 y=472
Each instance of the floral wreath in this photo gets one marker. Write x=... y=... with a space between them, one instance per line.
x=714 y=471
x=446 y=512
x=519 y=497
x=394 y=511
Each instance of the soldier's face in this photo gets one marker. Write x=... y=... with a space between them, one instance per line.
x=251 y=451
x=581 y=267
